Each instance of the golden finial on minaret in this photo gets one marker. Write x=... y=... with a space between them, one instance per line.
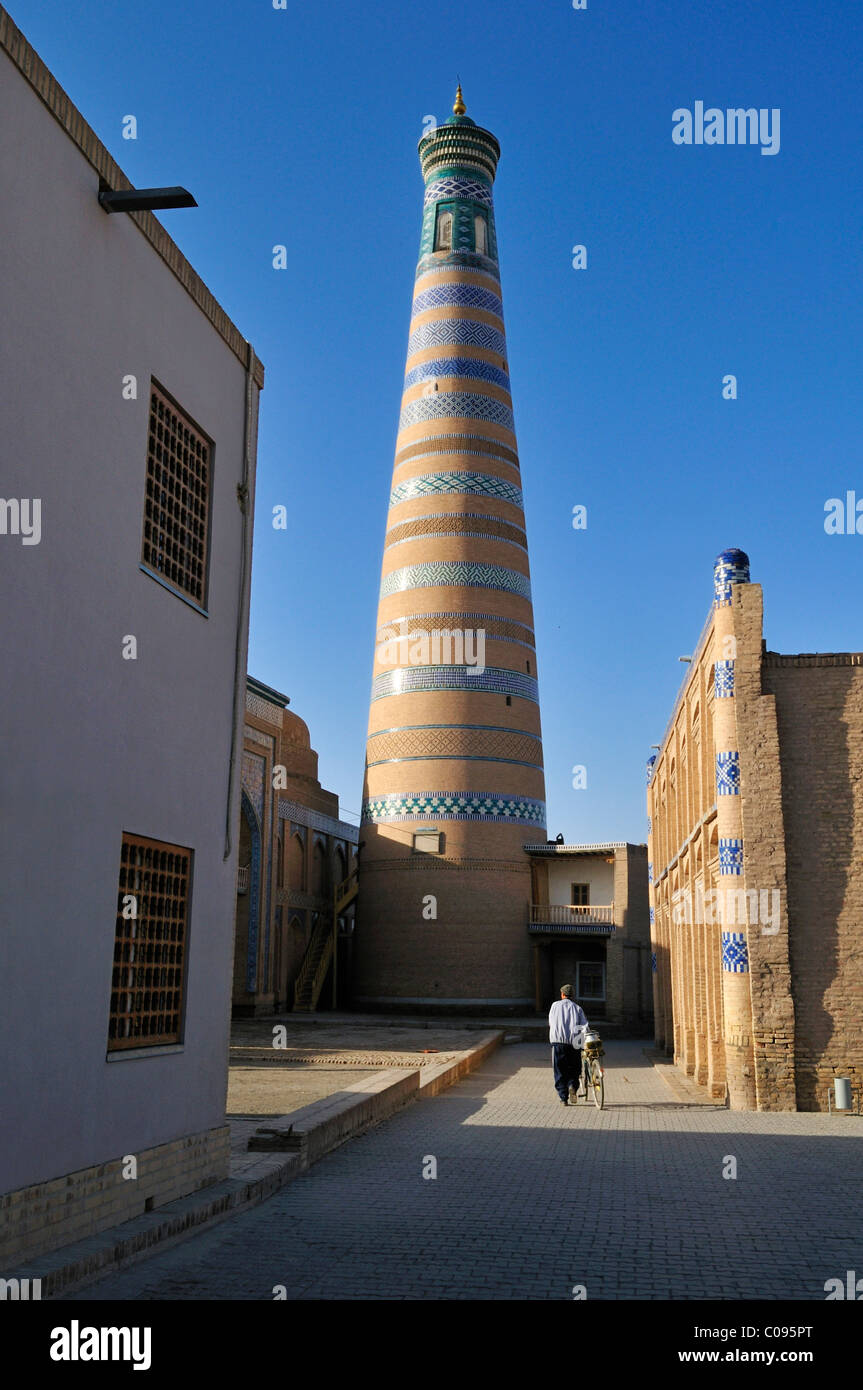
x=459 y=108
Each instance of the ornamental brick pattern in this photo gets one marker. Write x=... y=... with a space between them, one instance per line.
x=450 y=749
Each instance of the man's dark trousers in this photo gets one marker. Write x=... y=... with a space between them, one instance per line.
x=566 y=1060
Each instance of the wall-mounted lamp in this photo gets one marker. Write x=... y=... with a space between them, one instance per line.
x=145 y=199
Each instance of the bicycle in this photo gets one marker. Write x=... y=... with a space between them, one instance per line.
x=592 y=1074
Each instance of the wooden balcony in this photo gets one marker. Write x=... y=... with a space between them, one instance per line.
x=559 y=919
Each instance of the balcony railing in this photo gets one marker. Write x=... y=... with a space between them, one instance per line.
x=557 y=916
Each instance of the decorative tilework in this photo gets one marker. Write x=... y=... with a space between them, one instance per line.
x=728 y=774
x=481 y=806
x=735 y=953
x=457 y=296
x=253 y=780
x=263 y=709
x=255 y=736
x=494 y=680
x=464 y=405
x=456 y=524
x=467 y=574
x=649 y=825
x=500 y=629
x=730 y=856
x=298 y=814
x=650 y=873
x=468 y=262
x=472 y=367
x=723 y=679
x=650 y=762
x=456 y=333
x=461 y=441
x=653 y=961
x=441 y=189
x=470 y=484
x=731 y=567
x=460 y=742
x=652 y=911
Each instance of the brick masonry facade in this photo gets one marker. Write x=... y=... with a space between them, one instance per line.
x=755 y=806
x=35 y=1220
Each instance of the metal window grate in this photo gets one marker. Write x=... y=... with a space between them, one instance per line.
x=176 y=512
x=149 y=944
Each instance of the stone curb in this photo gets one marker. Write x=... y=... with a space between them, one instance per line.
x=297 y=1142
x=680 y=1086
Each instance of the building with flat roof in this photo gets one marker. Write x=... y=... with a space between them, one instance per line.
x=296 y=880
x=129 y=441
x=755 y=813
x=589 y=926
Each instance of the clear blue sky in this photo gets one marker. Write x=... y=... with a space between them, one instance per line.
x=300 y=126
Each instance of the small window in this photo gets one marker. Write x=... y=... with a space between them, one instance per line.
x=443 y=236
x=591 y=980
x=509 y=699
x=427 y=841
x=149 y=944
x=175 y=543
x=481 y=234
x=580 y=895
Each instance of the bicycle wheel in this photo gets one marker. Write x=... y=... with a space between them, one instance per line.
x=597 y=1084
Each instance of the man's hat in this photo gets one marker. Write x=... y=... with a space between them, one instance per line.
x=567 y=990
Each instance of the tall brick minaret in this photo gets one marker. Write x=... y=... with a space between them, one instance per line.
x=454 y=746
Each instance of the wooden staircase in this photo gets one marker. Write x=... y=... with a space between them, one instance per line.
x=319 y=952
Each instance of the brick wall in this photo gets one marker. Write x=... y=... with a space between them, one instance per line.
x=819 y=710
x=35 y=1220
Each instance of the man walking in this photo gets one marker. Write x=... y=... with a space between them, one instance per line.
x=567 y=1026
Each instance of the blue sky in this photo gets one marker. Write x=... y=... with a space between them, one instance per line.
x=300 y=126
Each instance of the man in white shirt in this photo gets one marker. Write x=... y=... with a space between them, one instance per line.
x=567 y=1026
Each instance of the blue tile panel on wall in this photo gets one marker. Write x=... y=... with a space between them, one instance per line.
x=457 y=296
x=481 y=806
x=732 y=567
x=653 y=961
x=441 y=190
x=723 y=680
x=735 y=954
x=458 y=573
x=730 y=856
x=456 y=405
x=466 y=484
x=728 y=774
x=492 y=681
x=471 y=367
x=466 y=262
x=456 y=333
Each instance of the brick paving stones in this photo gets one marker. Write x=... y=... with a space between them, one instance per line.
x=532 y=1198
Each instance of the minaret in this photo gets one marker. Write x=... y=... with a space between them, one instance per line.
x=454 y=784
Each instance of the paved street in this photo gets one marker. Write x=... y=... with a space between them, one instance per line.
x=532 y=1198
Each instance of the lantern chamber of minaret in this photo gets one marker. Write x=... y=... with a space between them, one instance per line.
x=454 y=786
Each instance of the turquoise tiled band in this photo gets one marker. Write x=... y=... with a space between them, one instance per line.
x=454 y=806
x=458 y=573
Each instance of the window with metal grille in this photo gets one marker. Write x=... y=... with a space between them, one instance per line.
x=177 y=508
x=149 y=944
